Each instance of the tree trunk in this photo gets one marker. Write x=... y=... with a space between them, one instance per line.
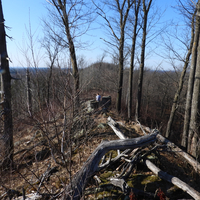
x=49 y=80
x=193 y=127
x=61 y=7
x=137 y=6
x=180 y=86
x=140 y=79
x=29 y=93
x=121 y=70
x=6 y=134
x=74 y=67
x=191 y=79
x=123 y=20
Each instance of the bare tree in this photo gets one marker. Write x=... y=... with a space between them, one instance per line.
x=6 y=133
x=29 y=92
x=73 y=19
x=122 y=9
x=136 y=11
x=181 y=80
x=191 y=79
x=32 y=57
x=146 y=8
x=52 y=49
x=193 y=126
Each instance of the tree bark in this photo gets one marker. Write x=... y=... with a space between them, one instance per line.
x=191 y=79
x=6 y=135
x=121 y=72
x=193 y=127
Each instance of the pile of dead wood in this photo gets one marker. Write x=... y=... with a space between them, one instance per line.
x=130 y=150
x=130 y=146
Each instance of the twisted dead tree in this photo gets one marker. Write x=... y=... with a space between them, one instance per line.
x=75 y=189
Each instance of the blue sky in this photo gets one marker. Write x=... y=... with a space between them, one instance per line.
x=17 y=15
x=18 y=12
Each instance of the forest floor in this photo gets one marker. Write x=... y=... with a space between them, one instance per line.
x=28 y=174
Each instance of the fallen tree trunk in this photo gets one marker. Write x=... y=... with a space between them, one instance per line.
x=172 y=179
x=178 y=151
x=194 y=163
x=75 y=189
x=114 y=125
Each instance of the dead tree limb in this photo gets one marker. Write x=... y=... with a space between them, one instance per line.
x=194 y=163
x=120 y=183
x=75 y=188
x=174 y=180
x=141 y=128
x=178 y=151
x=113 y=160
x=114 y=125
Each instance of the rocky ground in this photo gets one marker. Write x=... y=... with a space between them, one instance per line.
x=39 y=167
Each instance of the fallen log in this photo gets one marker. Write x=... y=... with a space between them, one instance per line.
x=75 y=189
x=114 y=125
x=178 y=151
x=172 y=179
